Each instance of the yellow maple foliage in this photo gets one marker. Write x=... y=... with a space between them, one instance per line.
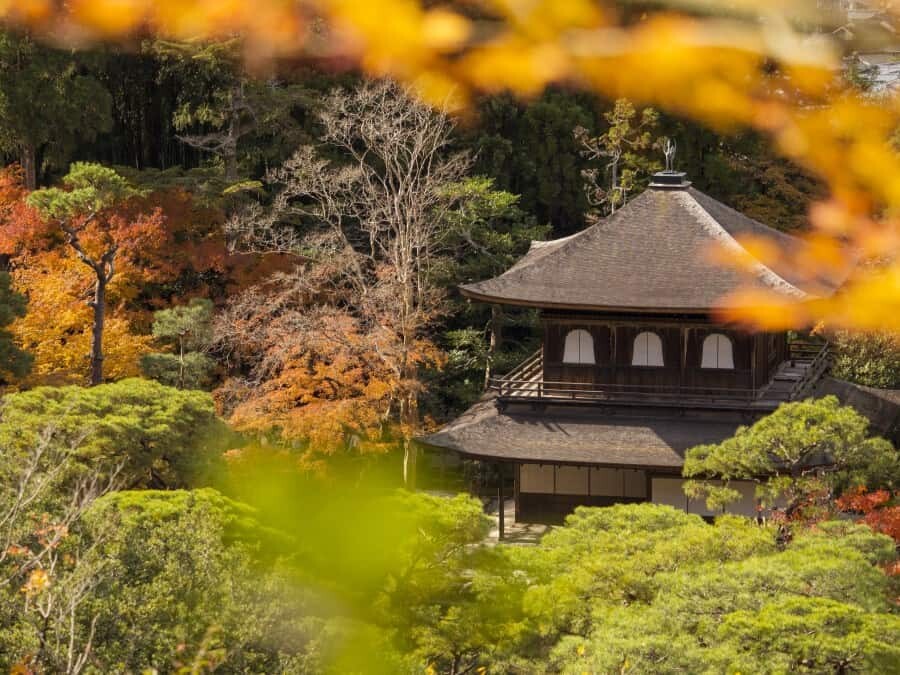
x=38 y=581
x=56 y=330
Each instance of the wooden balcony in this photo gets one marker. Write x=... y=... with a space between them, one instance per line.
x=793 y=379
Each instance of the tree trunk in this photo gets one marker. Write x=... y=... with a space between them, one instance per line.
x=409 y=421
x=229 y=154
x=410 y=463
x=28 y=159
x=181 y=363
x=496 y=340
x=614 y=184
x=231 y=165
x=99 y=306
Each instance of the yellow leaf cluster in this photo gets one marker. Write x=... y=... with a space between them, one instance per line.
x=38 y=581
x=56 y=330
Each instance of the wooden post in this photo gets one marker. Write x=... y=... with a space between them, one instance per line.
x=501 y=525
x=517 y=481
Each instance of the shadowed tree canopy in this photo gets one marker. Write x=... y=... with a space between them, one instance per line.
x=49 y=102
x=153 y=435
x=14 y=362
x=244 y=122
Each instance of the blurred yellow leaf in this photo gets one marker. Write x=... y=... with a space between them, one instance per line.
x=38 y=582
x=729 y=65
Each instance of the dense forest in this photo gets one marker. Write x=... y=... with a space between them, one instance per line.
x=219 y=341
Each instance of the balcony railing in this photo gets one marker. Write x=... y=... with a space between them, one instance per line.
x=791 y=380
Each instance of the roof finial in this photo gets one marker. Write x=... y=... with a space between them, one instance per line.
x=669 y=148
x=670 y=178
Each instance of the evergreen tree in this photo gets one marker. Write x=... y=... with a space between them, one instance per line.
x=871 y=359
x=804 y=452
x=487 y=231
x=623 y=152
x=188 y=330
x=141 y=432
x=529 y=150
x=49 y=102
x=247 y=123
x=13 y=361
x=91 y=214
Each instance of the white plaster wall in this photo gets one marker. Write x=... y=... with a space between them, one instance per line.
x=668 y=491
x=536 y=478
x=747 y=504
x=571 y=480
x=606 y=483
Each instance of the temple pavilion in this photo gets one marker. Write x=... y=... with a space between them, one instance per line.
x=634 y=367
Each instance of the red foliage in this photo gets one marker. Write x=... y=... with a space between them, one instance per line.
x=169 y=248
x=877 y=510
x=21 y=227
x=191 y=249
x=861 y=501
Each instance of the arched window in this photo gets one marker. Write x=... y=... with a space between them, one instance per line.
x=717 y=352
x=647 y=350
x=579 y=347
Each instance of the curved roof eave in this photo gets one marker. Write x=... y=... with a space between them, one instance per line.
x=468 y=292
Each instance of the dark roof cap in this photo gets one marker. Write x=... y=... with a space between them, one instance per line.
x=670 y=180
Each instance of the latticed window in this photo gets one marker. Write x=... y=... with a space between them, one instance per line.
x=579 y=347
x=717 y=352
x=647 y=350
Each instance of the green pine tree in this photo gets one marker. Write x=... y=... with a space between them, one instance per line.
x=49 y=103
x=188 y=331
x=13 y=361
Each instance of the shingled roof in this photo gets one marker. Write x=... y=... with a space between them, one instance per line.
x=577 y=435
x=652 y=254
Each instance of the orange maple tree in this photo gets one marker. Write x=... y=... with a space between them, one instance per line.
x=169 y=248
x=56 y=327
x=320 y=375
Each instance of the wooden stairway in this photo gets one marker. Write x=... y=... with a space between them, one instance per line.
x=796 y=377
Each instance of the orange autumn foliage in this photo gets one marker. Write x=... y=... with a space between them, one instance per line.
x=56 y=264
x=21 y=227
x=169 y=249
x=322 y=378
x=56 y=328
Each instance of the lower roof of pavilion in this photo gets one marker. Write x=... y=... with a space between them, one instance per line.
x=560 y=434
x=625 y=437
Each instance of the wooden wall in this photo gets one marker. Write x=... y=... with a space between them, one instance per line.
x=755 y=355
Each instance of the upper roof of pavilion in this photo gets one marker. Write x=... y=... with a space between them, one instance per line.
x=651 y=255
